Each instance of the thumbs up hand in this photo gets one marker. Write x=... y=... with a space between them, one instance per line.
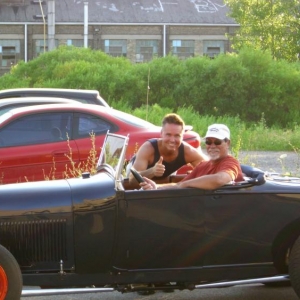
x=159 y=168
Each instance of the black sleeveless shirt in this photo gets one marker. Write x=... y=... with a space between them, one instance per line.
x=172 y=166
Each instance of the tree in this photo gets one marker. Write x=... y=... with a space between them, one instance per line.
x=272 y=25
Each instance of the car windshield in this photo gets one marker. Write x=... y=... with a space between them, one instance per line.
x=113 y=154
x=132 y=120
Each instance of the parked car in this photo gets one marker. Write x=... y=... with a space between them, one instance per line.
x=97 y=231
x=84 y=96
x=35 y=141
x=8 y=104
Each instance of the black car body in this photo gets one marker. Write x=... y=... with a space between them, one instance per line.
x=96 y=231
x=84 y=96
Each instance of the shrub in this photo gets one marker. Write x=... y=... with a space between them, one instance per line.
x=247 y=84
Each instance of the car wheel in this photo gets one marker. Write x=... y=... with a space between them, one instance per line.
x=294 y=267
x=10 y=276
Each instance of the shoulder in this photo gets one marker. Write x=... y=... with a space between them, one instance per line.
x=231 y=159
x=231 y=163
x=147 y=146
x=232 y=166
x=152 y=141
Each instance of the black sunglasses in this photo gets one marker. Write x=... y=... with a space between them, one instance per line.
x=216 y=142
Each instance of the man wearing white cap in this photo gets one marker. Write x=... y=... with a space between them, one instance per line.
x=221 y=169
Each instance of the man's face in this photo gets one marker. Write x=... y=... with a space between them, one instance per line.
x=216 y=149
x=172 y=136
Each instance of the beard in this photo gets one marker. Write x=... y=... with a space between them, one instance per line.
x=214 y=155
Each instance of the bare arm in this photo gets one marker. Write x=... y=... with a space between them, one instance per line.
x=206 y=182
x=141 y=163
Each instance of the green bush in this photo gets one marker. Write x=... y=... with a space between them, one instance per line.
x=247 y=85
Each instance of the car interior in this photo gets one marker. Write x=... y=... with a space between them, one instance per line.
x=113 y=157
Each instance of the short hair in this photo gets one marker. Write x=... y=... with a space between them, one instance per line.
x=173 y=119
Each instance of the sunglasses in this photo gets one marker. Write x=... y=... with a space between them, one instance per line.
x=215 y=142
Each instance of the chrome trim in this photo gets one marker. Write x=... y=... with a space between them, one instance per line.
x=245 y=281
x=49 y=292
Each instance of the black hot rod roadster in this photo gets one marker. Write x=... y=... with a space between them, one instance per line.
x=98 y=232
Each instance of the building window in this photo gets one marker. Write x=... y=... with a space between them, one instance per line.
x=115 y=47
x=213 y=48
x=183 y=48
x=41 y=46
x=75 y=43
x=9 y=53
x=145 y=50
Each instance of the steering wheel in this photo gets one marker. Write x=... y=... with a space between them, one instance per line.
x=137 y=175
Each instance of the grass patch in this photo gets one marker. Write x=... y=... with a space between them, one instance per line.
x=244 y=135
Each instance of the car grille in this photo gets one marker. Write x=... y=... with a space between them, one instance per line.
x=35 y=241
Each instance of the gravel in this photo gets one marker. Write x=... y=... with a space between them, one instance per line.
x=272 y=161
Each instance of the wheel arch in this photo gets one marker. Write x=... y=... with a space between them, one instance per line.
x=282 y=245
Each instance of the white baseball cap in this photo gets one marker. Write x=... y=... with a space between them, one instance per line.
x=218 y=131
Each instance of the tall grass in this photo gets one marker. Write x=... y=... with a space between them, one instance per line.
x=244 y=136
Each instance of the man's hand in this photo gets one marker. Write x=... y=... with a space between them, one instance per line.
x=159 y=168
x=148 y=184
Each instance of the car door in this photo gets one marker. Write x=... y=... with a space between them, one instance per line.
x=241 y=225
x=36 y=147
x=161 y=229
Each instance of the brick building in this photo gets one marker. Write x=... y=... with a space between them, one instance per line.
x=137 y=29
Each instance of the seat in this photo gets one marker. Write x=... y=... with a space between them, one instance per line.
x=250 y=171
x=56 y=134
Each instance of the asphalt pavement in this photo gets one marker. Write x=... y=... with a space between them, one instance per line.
x=242 y=292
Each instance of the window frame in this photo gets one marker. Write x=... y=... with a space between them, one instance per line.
x=111 y=44
x=183 y=48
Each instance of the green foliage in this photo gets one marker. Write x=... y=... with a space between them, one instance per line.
x=244 y=136
x=267 y=25
x=165 y=76
x=272 y=89
x=246 y=85
x=256 y=96
x=10 y=82
x=196 y=84
x=227 y=92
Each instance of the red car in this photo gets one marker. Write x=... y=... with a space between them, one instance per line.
x=35 y=140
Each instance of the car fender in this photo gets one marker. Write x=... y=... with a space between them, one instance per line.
x=95 y=210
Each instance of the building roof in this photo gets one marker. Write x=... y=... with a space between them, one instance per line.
x=196 y=12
